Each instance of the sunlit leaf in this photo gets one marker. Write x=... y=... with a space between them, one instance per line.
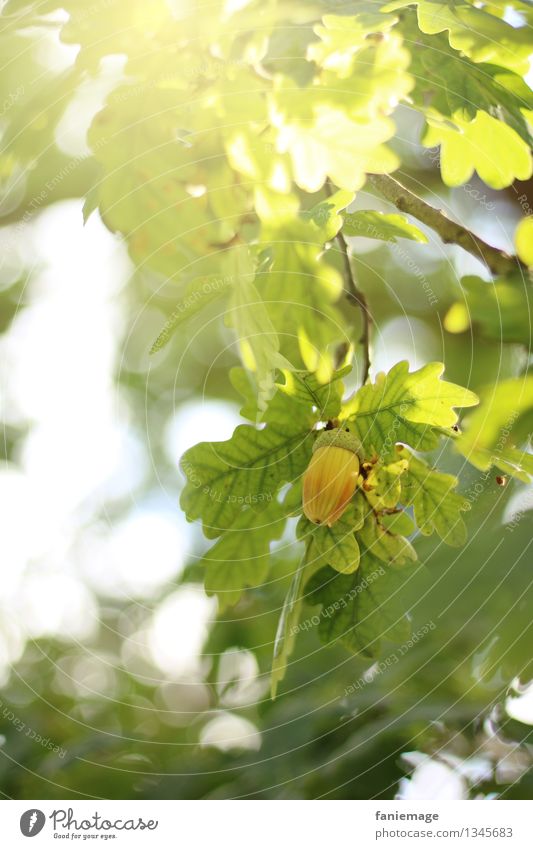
x=485 y=145
x=296 y=247
x=499 y=432
x=403 y=406
x=380 y=225
x=449 y=83
x=477 y=34
x=323 y=141
x=299 y=396
x=383 y=484
x=523 y=238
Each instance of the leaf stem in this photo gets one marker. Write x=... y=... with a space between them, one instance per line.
x=497 y=261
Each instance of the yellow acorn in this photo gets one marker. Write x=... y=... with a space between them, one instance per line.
x=331 y=476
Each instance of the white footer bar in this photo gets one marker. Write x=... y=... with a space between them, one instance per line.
x=267 y=824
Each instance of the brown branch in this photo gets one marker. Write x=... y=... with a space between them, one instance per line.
x=497 y=261
x=355 y=296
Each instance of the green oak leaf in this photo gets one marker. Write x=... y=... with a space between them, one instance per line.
x=341 y=552
x=485 y=145
x=361 y=609
x=343 y=36
x=304 y=388
x=325 y=215
x=300 y=287
x=251 y=157
x=287 y=53
x=335 y=546
x=450 y=83
x=364 y=75
x=404 y=406
x=437 y=507
x=323 y=141
x=380 y=225
x=246 y=470
x=476 y=33
x=383 y=544
x=280 y=408
x=383 y=484
x=258 y=338
x=398 y=522
x=241 y=557
x=299 y=397
x=144 y=196
x=498 y=433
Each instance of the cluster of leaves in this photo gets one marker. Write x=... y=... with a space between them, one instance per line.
x=245 y=490
x=218 y=121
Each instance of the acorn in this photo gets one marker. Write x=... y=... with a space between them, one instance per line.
x=331 y=477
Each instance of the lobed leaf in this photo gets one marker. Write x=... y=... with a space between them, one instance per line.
x=383 y=544
x=465 y=148
x=437 y=507
x=241 y=557
x=380 y=225
x=404 y=406
x=323 y=141
x=383 y=484
x=335 y=546
x=300 y=288
x=301 y=397
x=246 y=470
x=448 y=83
x=499 y=432
x=476 y=33
x=362 y=609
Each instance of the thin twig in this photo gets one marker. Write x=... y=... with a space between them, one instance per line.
x=354 y=294
x=497 y=261
x=357 y=297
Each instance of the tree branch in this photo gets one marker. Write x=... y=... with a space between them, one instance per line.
x=354 y=294
x=357 y=297
x=497 y=261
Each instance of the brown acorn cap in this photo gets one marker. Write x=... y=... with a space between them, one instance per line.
x=338 y=438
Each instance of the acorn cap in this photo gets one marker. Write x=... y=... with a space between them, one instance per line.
x=338 y=438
